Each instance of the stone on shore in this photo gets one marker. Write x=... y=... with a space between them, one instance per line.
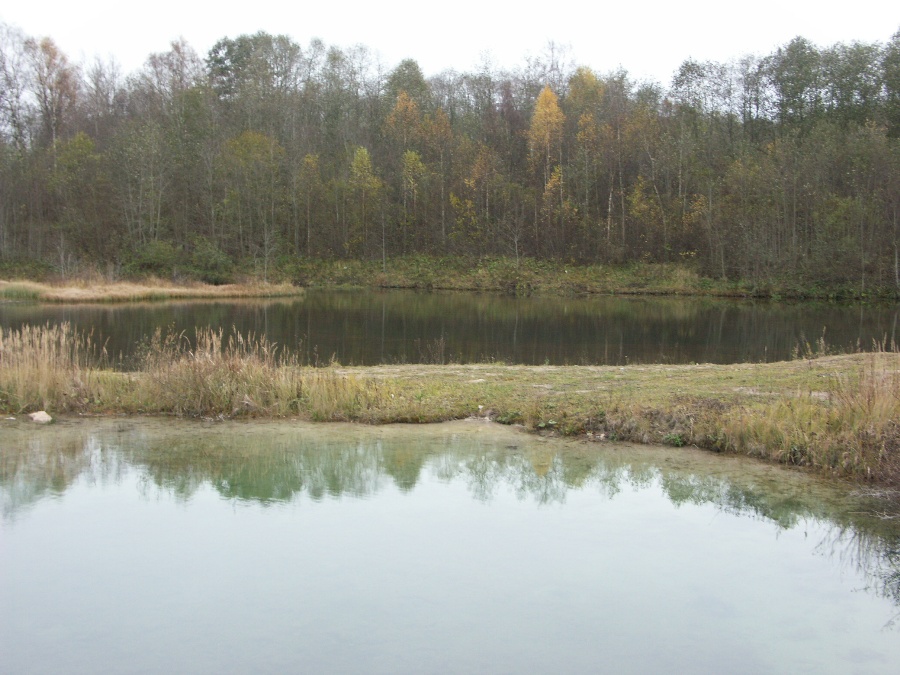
x=40 y=417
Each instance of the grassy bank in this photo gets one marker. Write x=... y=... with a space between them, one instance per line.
x=504 y=275
x=528 y=276
x=836 y=414
x=150 y=289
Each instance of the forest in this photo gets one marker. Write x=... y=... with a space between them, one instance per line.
x=782 y=168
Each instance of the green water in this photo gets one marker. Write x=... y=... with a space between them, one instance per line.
x=366 y=328
x=143 y=546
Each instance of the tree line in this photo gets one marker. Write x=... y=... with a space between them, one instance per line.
x=777 y=167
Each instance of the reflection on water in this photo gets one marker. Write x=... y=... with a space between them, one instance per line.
x=364 y=327
x=282 y=469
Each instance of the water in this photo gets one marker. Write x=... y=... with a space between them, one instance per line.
x=366 y=328
x=136 y=546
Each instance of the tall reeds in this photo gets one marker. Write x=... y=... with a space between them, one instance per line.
x=210 y=373
x=228 y=374
x=47 y=367
x=214 y=374
x=865 y=412
x=850 y=426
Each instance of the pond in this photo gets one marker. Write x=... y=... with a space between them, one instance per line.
x=140 y=545
x=371 y=327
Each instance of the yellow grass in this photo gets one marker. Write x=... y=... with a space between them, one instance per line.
x=79 y=292
x=47 y=367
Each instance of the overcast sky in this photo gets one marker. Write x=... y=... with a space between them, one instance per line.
x=648 y=38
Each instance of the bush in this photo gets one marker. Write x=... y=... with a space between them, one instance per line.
x=156 y=258
x=210 y=263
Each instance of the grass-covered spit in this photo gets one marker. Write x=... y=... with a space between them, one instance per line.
x=123 y=291
x=839 y=414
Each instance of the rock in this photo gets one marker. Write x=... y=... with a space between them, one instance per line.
x=40 y=417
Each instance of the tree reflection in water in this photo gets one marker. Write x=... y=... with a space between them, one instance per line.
x=373 y=327
x=271 y=463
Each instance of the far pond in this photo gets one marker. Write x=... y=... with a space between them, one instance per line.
x=134 y=546
x=371 y=327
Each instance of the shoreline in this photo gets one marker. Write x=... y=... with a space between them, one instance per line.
x=525 y=277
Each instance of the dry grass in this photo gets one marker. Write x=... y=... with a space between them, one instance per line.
x=839 y=414
x=215 y=374
x=152 y=289
x=48 y=367
x=853 y=427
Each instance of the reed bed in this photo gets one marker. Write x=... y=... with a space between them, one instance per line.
x=151 y=290
x=836 y=413
x=210 y=374
x=48 y=367
x=218 y=374
x=851 y=428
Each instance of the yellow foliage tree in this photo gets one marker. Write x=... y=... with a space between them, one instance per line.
x=545 y=139
x=404 y=120
x=546 y=132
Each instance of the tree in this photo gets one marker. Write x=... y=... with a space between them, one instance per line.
x=404 y=120
x=414 y=174
x=890 y=65
x=102 y=103
x=853 y=82
x=589 y=149
x=407 y=77
x=15 y=108
x=175 y=100
x=365 y=185
x=545 y=139
x=141 y=180
x=169 y=74
x=256 y=78
x=583 y=107
x=255 y=192
x=585 y=94
x=644 y=133
x=54 y=84
x=438 y=138
x=309 y=180
x=545 y=133
x=775 y=167
x=556 y=211
x=795 y=75
x=617 y=104
x=80 y=183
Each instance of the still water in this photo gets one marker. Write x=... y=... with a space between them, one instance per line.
x=367 y=328
x=142 y=546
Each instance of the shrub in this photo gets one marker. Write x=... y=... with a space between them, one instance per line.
x=210 y=263
x=157 y=258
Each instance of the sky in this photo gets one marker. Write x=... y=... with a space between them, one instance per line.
x=650 y=39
